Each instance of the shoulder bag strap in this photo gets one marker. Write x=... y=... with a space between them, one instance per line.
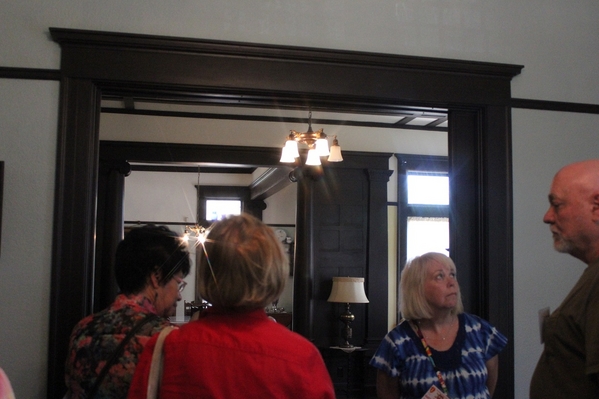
x=155 y=375
x=118 y=352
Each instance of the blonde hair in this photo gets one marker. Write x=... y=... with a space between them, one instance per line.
x=242 y=265
x=414 y=305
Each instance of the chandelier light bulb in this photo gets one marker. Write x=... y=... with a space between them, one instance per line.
x=291 y=146
x=287 y=155
x=313 y=158
x=322 y=147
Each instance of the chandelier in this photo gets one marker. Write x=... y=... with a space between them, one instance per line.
x=318 y=146
x=196 y=232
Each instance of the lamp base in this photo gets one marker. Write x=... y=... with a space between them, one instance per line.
x=347 y=319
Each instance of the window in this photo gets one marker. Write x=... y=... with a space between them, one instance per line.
x=428 y=188
x=427 y=232
x=217 y=202
x=423 y=209
x=219 y=209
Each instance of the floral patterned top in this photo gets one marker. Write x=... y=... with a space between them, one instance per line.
x=96 y=337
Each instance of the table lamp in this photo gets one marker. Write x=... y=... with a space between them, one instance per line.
x=347 y=290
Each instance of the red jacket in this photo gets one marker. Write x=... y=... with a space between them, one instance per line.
x=236 y=355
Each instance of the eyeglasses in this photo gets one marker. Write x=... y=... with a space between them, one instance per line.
x=180 y=283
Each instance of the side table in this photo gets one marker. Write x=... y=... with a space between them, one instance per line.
x=346 y=367
x=283 y=318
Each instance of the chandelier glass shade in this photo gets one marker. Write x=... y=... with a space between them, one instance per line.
x=317 y=143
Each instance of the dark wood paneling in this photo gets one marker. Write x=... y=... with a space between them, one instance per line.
x=559 y=106
x=271 y=182
x=340 y=228
x=192 y=169
x=377 y=277
x=29 y=73
x=465 y=223
x=496 y=257
x=109 y=230
x=320 y=72
x=74 y=221
x=180 y=153
x=347 y=371
x=481 y=223
x=343 y=219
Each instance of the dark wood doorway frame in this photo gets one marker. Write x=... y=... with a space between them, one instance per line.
x=96 y=64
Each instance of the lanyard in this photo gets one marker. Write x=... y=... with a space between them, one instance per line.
x=427 y=349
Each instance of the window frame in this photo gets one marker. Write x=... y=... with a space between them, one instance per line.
x=242 y=193
x=219 y=193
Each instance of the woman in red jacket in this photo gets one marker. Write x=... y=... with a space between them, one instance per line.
x=234 y=350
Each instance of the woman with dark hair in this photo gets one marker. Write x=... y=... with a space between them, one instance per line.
x=233 y=350
x=150 y=265
x=437 y=348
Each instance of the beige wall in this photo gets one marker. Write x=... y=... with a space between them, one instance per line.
x=28 y=120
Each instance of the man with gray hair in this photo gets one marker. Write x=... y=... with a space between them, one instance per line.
x=569 y=364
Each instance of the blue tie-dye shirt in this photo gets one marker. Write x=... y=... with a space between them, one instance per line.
x=402 y=355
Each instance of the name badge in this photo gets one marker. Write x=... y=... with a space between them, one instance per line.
x=434 y=393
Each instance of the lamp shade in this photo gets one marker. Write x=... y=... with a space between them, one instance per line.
x=335 y=152
x=322 y=147
x=348 y=290
x=287 y=155
x=313 y=158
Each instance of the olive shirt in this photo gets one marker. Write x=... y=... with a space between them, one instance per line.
x=569 y=364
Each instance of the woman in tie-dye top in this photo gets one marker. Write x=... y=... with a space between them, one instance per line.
x=437 y=346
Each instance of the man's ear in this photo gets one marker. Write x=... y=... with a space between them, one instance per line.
x=595 y=205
